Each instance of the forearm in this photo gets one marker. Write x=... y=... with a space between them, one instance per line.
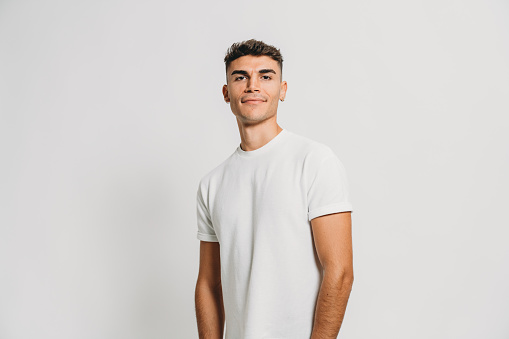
x=209 y=311
x=331 y=304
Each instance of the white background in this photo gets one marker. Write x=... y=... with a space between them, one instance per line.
x=111 y=112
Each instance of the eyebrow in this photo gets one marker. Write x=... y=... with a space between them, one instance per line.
x=265 y=70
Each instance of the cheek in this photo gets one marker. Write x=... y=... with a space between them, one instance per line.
x=275 y=90
x=234 y=92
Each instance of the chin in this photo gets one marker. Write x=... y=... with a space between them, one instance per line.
x=252 y=116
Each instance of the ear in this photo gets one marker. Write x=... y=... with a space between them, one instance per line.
x=225 y=93
x=282 y=92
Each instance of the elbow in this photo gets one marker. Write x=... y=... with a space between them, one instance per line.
x=344 y=276
x=347 y=278
x=346 y=282
x=212 y=285
x=350 y=280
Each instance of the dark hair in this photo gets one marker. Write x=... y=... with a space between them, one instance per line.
x=252 y=47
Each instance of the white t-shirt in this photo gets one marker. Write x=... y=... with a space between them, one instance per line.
x=258 y=205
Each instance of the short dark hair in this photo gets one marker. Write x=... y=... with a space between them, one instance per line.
x=252 y=47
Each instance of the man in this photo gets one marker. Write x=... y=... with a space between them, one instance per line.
x=274 y=219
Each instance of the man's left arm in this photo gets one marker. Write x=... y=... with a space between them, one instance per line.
x=333 y=242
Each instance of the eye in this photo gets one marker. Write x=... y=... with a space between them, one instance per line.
x=266 y=77
x=241 y=76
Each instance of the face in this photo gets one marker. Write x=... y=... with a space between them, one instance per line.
x=254 y=87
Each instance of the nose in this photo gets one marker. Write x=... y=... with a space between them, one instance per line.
x=253 y=85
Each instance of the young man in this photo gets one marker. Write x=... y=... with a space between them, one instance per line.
x=274 y=219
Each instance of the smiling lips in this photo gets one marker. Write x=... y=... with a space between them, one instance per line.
x=253 y=101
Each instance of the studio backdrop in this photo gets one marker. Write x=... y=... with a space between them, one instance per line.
x=111 y=112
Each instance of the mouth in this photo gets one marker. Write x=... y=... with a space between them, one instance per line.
x=253 y=102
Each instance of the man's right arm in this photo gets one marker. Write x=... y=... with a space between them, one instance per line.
x=208 y=294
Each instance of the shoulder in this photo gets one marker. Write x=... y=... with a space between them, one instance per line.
x=211 y=176
x=312 y=150
x=315 y=158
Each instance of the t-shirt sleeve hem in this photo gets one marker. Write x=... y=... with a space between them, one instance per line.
x=329 y=209
x=207 y=237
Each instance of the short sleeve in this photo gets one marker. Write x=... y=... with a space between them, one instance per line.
x=328 y=192
x=205 y=229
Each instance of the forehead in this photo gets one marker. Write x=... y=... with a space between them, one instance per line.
x=254 y=63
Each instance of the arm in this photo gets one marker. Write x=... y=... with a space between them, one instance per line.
x=333 y=241
x=208 y=294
